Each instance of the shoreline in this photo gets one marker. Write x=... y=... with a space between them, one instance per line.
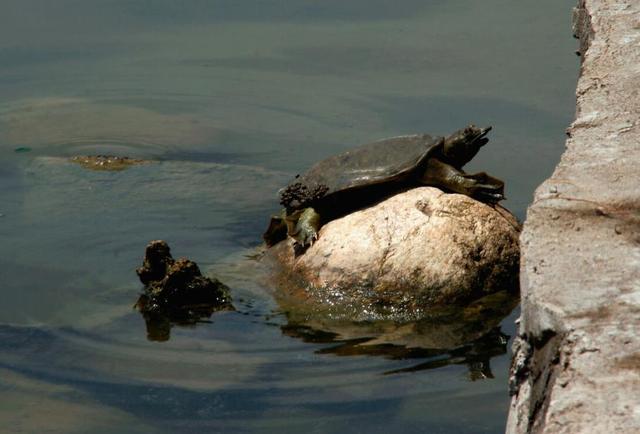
x=576 y=363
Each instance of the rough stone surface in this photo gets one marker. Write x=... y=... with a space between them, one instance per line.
x=417 y=249
x=576 y=367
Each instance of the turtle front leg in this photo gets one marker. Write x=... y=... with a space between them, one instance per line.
x=485 y=187
x=480 y=186
x=306 y=227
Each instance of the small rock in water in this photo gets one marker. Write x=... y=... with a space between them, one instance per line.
x=105 y=162
x=176 y=292
x=22 y=149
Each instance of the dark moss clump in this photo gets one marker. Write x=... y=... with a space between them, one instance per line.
x=298 y=195
x=176 y=292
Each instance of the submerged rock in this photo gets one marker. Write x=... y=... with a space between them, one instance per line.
x=416 y=250
x=176 y=291
x=105 y=162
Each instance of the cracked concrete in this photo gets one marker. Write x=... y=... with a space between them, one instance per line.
x=577 y=362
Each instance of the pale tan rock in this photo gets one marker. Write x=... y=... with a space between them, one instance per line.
x=415 y=250
x=576 y=365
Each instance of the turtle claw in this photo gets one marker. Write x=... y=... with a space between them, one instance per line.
x=306 y=237
x=312 y=239
x=485 y=188
x=303 y=240
x=489 y=197
x=489 y=193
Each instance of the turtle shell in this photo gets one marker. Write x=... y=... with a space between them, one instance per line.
x=365 y=170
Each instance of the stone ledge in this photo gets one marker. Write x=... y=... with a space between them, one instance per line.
x=577 y=366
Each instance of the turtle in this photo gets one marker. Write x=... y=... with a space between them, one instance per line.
x=367 y=174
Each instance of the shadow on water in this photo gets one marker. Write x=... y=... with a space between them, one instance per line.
x=468 y=335
x=459 y=339
x=160 y=322
x=476 y=354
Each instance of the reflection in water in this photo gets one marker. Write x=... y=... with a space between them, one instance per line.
x=159 y=321
x=470 y=336
x=476 y=354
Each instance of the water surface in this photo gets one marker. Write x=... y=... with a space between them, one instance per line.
x=229 y=99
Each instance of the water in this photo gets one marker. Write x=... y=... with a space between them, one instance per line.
x=229 y=99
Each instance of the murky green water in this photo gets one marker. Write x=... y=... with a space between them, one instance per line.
x=230 y=98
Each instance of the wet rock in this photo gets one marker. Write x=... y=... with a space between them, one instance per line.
x=156 y=262
x=184 y=286
x=176 y=291
x=415 y=250
x=105 y=162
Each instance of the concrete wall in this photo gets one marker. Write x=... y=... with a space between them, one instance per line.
x=576 y=368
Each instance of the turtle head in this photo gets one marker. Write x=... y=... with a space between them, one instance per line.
x=461 y=146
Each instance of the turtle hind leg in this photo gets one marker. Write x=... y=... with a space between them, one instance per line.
x=305 y=231
x=479 y=186
x=277 y=230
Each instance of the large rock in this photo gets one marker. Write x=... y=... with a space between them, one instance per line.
x=418 y=249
